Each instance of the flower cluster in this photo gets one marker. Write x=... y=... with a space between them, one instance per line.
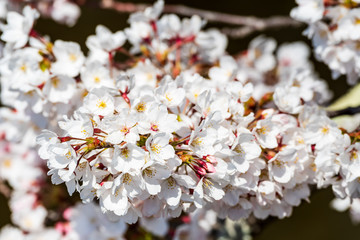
x=62 y=11
x=157 y=146
x=334 y=30
x=177 y=129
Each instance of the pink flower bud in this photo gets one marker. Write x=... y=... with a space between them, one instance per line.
x=199 y=170
x=67 y=213
x=66 y=228
x=64 y=139
x=186 y=219
x=62 y=227
x=207 y=166
x=210 y=158
x=59 y=227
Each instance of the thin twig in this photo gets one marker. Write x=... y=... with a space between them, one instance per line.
x=250 y=23
x=4 y=190
x=238 y=32
x=270 y=23
x=347 y=111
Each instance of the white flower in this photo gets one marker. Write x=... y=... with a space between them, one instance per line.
x=212 y=44
x=145 y=73
x=18 y=27
x=281 y=167
x=65 y=12
x=64 y=159
x=169 y=94
x=293 y=55
x=158 y=120
x=207 y=191
x=122 y=128
x=26 y=214
x=24 y=69
x=322 y=132
x=266 y=132
x=79 y=127
x=137 y=33
x=60 y=88
x=225 y=72
x=243 y=150
x=266 y=192
x=104 y=42
x=150 y=13
x=295 y=195
x=153 y=174
x=159 y=148
x=240 y=91
x=114 y=195
x=128 y=157
x=158 y=226
x=202 y=142
x=99 y=102
x=115 y=201
x=88 y=222
x=308 y=10
x=287 y=99
x=170 y=192
x=260 y=52
x=69 y=58
x=95 y=75
x=11 y=233
x=46 y=139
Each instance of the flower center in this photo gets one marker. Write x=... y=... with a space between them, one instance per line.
x=101 y=104
x=125 y=152
x=97 y=80
x=156 y=148
x=141 y=107
x=72 y=57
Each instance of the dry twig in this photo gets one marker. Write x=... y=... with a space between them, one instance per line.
x=250 y=24
x=4 y=189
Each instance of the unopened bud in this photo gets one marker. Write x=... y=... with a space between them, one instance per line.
x=67 y=213
x=62 y=227
x=97 y=130
x=199 y=170
x=207 y=166
x=210 y=159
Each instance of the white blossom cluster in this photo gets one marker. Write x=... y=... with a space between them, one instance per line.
x=82 y=222
x=158 y=148
x=179 y=129
x=61 y=11
x=335 y=33
x=353 y=205
x=25 y=210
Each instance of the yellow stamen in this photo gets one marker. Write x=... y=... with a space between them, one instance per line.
x=97 y=80
x=7 y=163
x=101 y=104
x=156 y=148
x=72 y=57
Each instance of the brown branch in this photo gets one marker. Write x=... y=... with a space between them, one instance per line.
x=346 y=111
x=269 y=23
x=250 y=23
x=238 y=32
x=4 y=189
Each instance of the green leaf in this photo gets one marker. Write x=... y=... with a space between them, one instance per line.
x=350 y=99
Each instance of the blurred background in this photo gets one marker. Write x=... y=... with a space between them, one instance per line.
x=309 y=221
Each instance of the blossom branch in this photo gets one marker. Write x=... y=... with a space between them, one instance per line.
x=250 y=24
x=345 y=111
x=269 y=23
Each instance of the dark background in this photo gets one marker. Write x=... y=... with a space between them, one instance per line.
x=309 y=221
